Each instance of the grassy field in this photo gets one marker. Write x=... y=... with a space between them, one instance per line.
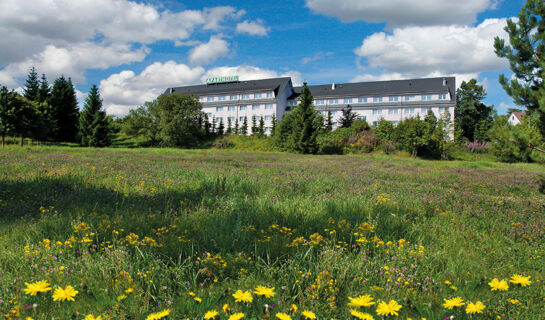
x=174 y=234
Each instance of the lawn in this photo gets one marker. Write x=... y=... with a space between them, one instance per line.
x=174 y=234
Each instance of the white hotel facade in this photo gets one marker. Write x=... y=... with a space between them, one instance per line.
x=371 y=101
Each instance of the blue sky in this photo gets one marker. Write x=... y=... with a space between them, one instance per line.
x=134 y=50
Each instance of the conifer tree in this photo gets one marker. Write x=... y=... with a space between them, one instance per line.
x=470 y=110
x=261 y=128
x=306 y=124
x=244 y=127
x=329 y=121
x=236 y=126
x=94 y=125
x=229 y=126
x=273 y=124
x=6 y=113
x=207 y=126
x=32 y=86
x=254 y=126
x=526 y=54
x=221 y=127
x=214 y=129
x=347 y=117
x=64 y=110
x=44 y=91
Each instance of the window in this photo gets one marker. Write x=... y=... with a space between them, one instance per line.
x=377 y=111
x=362 y=100
x=209 y=115
x=348 y=100
x=442 y=110
x=242 y=108
x=256 y=107
x=320 y=102
x=219 y=119
x=257 y=96
x=208 y=99
x=245 y=97
x=270 y=95
x=333 y=101
x=242 y=118
x=443 y=96
x=425 y=111
x=426 y=97
x=393 y=99
x=268 y=129
x=269 y=106
x=409 y=111
x=222 y=98
x=392 y=111
x=408 y=98
x=268 y=118
x=364 y=118
x=232 y=119
x=234 y=97
x=377 y=99
x=232 y=108
x=219 y=109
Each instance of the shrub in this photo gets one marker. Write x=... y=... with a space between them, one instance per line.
x=223 y=143
x=512 y=143
x=476 y=147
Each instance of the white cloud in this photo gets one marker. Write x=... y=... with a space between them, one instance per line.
x=254 y=28
x=399 y=76
x=440 y=50
x=402 y=12
x=318 y=56
x=126 y=90
x=189 y=43
x=208 y=52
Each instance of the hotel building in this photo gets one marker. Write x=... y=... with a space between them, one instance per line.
x=230 y=99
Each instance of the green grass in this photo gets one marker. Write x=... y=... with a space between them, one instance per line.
x=319 y=229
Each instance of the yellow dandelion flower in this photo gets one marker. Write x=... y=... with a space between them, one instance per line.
x=362 y=301
x=92 y=317
x=29 y=318
x=264 y=291
x=283 y=316
x=361 y=315
x=522 y=280
x=68 y=293
x=500 y=285
x=236 y=316
x=453 y=303
x=129 y=291
x=308 y=314
x=226 y=308
x=210 y=314
x=190 y=293
x=36 y=287
x=476 y=307
x=241 y=296
x=158 y=315
x=293 y=308
x=199 y=300
x=390 y=308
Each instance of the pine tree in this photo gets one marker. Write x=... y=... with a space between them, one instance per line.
x=236 y=127
x=44 y=91
x=261 y=128
x=244 y=127
x=221 y=127
x=207 y=126
x=347 y=117
x=469 y=108
x=94 y=125
x=526 y=54
x=307 y=124
x=214 y=129
x=254 y=126
x=273 y=125
x=32 y=86
x=6 y=113
x=229 y=126
x=64 y=110
x=329 y=121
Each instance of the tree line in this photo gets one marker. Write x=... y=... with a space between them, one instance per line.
x=50 y=113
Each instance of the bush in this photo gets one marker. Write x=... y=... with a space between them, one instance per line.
x=512 y=143
x=358 y=138
x=223 y=143
x=476 y=147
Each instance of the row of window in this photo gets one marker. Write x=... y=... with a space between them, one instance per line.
x=246 y=96
x=241 y=118
x=427 y=97
x=394 y=111
x=244 y=108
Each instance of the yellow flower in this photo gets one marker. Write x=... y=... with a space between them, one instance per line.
x=283 y=316
x=35 y=287
x=236 y=316
x=308 y=314
x=129 y=291
x=29 y=318
x=199 y=300
x=293 y=308
x=476 y=307
x=453 y=303
x=158 y=315
x=92 y=317
x=191 y=294
x=121 y=297
x=362 y=301
x=500 y=285
x=522 y=280
x=448 y=283
x=211 y=314
x=67 y=293
x=514 y=301
x=390 y=308
x=264 y=291
x=361 y=315
x=245 y=296
x=225 y=308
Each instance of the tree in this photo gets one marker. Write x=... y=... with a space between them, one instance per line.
x=384 y=130
x=254 y=126
x=32 y=86
x=229 y=126
x=413 y=134
x=261 y=127
x=244 y=127
x=470 y=111
x=44 y=91
x=514 y=143
x=347 y=117
x=25 y=119
x=236 y=127
x=214 y=129
x=94 y=125
x=526 y=54
x=329 y=121
x=207 y=126
x=179 y=120
x=65 y=111
x=221 y=127
x=273 y=124
x=143 y=122
x=6 y=113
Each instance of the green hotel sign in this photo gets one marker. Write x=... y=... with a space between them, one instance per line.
x=221 y=79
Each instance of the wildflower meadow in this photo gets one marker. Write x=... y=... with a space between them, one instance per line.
x=91 y=234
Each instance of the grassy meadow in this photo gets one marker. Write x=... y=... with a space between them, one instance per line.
x=174 y=234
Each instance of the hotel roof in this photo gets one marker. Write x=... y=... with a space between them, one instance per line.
x=276 y=84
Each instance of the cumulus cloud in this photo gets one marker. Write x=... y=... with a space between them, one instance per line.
x=437 y=50
x=206 y=53
x=403 y=12
x=254 y=28
x=126 y=90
